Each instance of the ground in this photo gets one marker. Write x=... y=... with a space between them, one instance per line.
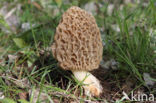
x=29 y=73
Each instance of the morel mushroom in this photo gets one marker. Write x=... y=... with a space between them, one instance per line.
x=78 y=47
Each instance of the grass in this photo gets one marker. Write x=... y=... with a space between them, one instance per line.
x=135 y=50
x=133 y=46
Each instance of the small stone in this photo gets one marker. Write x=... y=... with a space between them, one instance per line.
x=110 y=9
x=147 y=79
x=91 y=8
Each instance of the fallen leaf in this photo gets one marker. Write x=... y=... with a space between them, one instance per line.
x=56 y=100
x=22 y=83
x=37 y=94
x=23 y=95
x=20 y=42
x=37 y=5
x=12 y=58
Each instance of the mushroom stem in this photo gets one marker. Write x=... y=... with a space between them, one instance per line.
x=91 y=85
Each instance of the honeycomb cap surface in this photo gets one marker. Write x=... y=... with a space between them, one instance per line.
x=77 y=41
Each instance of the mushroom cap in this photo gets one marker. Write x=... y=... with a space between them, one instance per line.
x=77 y=41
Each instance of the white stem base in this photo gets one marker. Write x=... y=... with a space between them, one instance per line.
x=91 y=86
